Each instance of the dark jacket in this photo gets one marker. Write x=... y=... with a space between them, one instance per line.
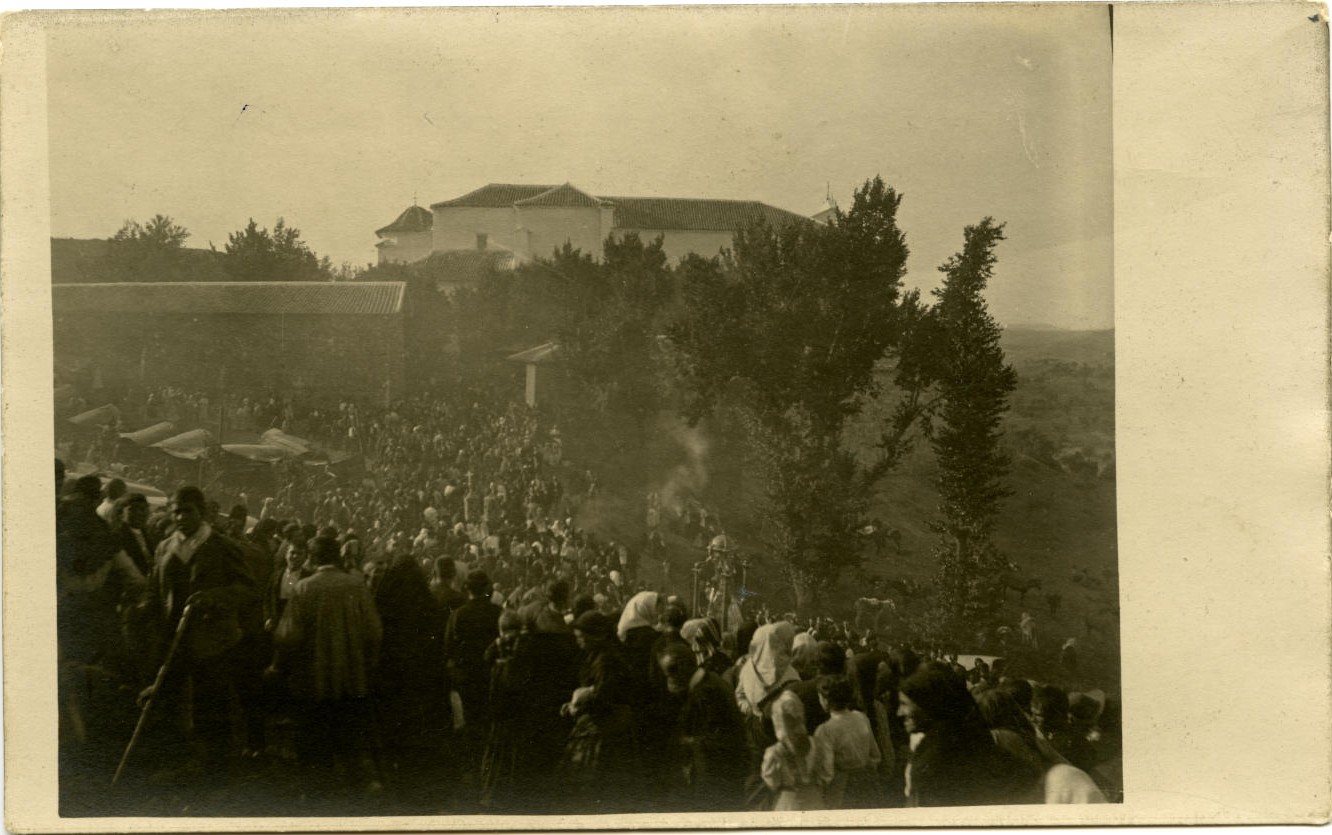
x=712 y=747
x=218 y=568
x=472 y=629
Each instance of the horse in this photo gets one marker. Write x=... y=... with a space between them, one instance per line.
x=1084 y=578
x=880 y=535
x=1021 y=585
x=865 y=605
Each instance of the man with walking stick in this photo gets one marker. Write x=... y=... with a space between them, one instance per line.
x=195 y=567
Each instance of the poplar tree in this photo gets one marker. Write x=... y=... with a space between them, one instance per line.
x=973 y=383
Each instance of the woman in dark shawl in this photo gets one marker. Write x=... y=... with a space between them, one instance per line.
x=955 y=762
x=709 y=751
x=600 y=758
x=415 y=718
x=499 y=762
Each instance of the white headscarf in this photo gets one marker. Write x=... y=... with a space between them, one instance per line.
x=641 y=610
x=768 y=667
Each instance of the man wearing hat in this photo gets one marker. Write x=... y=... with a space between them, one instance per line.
x=198 y=567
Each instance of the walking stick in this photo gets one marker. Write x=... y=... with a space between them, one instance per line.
x=157 y=685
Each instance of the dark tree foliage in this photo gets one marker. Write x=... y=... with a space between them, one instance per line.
x=974 y=383
x=151 y=251
x=256 y=254
x=611 y=339
x=787 y=333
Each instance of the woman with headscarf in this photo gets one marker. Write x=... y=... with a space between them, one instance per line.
x=1054 y=780
x=600 y=756
x=804 y=655
x=767 y=670
x=797 y=767
x=704 y=639
x=764 y=674
x=954 y=761
x=637 y=632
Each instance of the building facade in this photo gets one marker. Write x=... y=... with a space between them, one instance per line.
x=532 y=221
x=406 y=239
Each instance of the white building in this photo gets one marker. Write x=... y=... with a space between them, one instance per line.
x=534 y=220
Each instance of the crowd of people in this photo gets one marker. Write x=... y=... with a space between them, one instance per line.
x=440 y=636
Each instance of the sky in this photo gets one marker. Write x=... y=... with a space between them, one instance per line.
x=339 y=121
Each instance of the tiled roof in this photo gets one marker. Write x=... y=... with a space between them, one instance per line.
x=414 y=219
x=648 y=213
x=494 y=196
x=465 y=264
x=665 y=213
x=565 y=195
x=204 y=297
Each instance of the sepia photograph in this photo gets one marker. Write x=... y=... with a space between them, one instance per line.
x=584 y=412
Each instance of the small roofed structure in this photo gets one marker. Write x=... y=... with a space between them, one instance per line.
x=263 y=453
x=307 y=451
x=150 y=435
x=543 y=354
x=294 y=446
x=190 y=446
x=101 y=416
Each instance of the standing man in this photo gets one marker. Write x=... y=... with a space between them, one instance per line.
x=326 y=646
x=198 y=567
x=472 y=629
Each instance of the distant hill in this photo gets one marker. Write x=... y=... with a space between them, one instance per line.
x=87 y=260
x=1029 y=343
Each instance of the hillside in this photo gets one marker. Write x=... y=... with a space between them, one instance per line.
x=1059 y=520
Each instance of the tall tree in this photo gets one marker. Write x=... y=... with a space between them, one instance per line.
x=974 y=383
x=787 y=334
x=610 y=337
x=256 y=254
x=152 y=251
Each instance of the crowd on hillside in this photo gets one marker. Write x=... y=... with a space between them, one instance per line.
x=441 y=636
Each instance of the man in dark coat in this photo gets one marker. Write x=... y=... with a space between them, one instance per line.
x=541 y=674
x=199 y=568
x=471 y=631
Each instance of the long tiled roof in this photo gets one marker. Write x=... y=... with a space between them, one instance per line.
x=664 y=213
x=649 y=213
x=204 y=297
x=493 y=196
x=414 y=219
x=565 y=195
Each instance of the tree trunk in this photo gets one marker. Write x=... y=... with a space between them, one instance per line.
x=805 y=598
